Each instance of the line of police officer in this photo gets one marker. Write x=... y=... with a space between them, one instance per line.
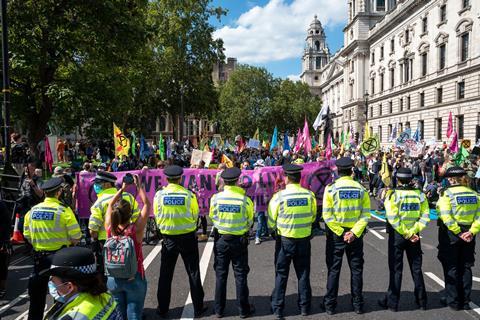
x=50 y=226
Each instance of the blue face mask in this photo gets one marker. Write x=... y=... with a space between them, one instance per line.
x=52 y=289
x=97 y=188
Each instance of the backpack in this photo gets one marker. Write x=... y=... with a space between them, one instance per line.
x=119 y=256
x=416 y=169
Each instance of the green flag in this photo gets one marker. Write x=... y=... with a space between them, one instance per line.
x=461 y=156
x=370 y=145
x=161 y=147
x=134 y=144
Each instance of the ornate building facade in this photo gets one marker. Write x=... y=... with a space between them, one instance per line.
x=406 y=64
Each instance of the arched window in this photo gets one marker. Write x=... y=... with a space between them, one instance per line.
x=317 y=45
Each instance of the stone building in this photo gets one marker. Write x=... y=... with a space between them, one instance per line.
x=407 y=64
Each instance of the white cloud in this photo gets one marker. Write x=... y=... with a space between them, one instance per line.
x=294 y=77
x=277 y=30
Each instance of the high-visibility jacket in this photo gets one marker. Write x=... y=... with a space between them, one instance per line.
x=85 y=306
x=231 y=211
x=292 y=211
x=458 y=206
x=176 y=210
x=50 y=225
x=96 y=222
x=407 y=211
x=346 y=204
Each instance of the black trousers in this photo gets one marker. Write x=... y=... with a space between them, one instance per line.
x=38 y=286
x=234 y=250
x=297 y=251
x=397 y=246
x=185 y=245
x=457 y=258
x=335 y=248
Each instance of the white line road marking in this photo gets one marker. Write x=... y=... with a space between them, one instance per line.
x=383 y=231
x=188 y=312
x=19 y=260
x=13 y=302
x=476 y=279
x=378 y=218
x=151 y=256
x=376 y=234
x=440 y=282
x=23 y=316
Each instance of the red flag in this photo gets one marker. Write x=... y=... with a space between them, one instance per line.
x=298 y=143
x=48 y=155
x=328 y=151
x=454 y=144
x=450 y=125
x=307 y=142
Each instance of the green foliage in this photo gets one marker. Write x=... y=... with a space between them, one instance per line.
x=252 y=98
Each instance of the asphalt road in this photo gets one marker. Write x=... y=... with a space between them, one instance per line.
x=261 y=281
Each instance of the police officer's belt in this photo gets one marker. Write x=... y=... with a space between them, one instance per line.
x=295 y=239
x=231 y=236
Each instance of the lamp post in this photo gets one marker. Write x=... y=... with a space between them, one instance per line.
x=182 y=113
x=6 y=82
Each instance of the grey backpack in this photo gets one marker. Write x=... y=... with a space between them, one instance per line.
x=119 y=255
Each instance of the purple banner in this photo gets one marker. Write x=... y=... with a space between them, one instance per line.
x=260 y=184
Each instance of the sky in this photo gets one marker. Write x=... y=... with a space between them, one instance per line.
x=271 y=33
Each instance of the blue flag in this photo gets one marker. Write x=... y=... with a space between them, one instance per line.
x=145 y=151
x=416 y=135
x=274 y=139
x=286 y=145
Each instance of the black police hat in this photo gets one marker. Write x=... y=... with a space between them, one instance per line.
x=404 y=173
x=292 y=168
x=173 y=171
x=104 y=176
x=52 y=184
x=73 y=262
x=344 y=163
x=455 y=172
x=231 y=174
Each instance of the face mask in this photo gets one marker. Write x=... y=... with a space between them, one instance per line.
x=97 y=188
x=52 y=289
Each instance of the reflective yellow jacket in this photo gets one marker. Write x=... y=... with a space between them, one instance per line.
x=86 y=307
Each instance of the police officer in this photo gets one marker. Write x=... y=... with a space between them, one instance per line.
x=407 y=213
x=49 y=226
x=104 y=187
x=459 y=212
x=231 y=212
x=290 y=213
x=346 y=211
x=176 y=212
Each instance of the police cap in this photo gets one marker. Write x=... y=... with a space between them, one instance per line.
x=52 y=184
x=455 y=172
x=73 y=262
x=231 y=174
x=404 y=173
x=344 y=163
x=173 y=171
x=104 y=176
x=292 y=168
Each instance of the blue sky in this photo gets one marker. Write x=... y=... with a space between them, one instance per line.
x=271 y=33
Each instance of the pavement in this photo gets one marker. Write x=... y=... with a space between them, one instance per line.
x=261 y=281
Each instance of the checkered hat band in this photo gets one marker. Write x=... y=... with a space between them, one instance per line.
x=404 y=175
x=89 y=269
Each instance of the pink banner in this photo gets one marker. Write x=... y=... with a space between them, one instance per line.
x=260 y=184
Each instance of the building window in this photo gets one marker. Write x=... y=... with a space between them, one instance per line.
x=408 y=103
x=389 y=131
x=392 y=78
x=407 y=36
x=380 y=111
x=422 y=99
x=401 y=105
x=371 y=113
x=460 y=126
x=380 y=5
x=443 y=13
x=390 y=107
x=442 y=49
x=352 y=66
x=407 y=125
x=372 y=86
x=466 y=4
x=317 y=45
x=381 y=82
x=464 y=46
x=318 y=63
x=380 y=133
x=392 y=46
x=461 y=90
x=421 y=128
x=372 y=56
x=424 y=60
x=400 y=127
x=438 y=128
x=425 y=24
x=439 y=95
x=316 y=77
x=382 y=52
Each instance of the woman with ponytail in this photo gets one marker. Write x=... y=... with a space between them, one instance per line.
x=128 y=293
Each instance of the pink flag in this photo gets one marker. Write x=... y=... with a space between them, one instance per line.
x=48 y=155
x=298 y=143
x=328 y=151
x=450 y=125
x=454 y=144
x=307 y=142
